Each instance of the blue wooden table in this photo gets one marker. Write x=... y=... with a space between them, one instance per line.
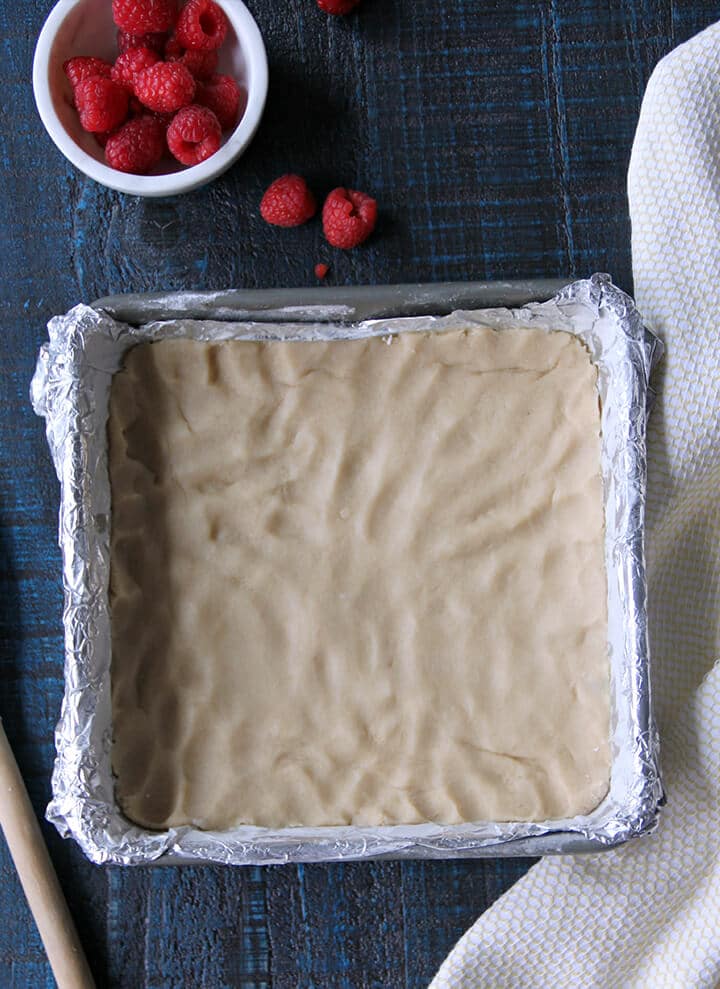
x=495 y=136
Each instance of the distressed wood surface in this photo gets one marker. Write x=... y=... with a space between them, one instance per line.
x=495 y=137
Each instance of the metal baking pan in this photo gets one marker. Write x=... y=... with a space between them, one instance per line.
x=70 y=389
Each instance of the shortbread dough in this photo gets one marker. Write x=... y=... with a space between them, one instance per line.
x=358 y=582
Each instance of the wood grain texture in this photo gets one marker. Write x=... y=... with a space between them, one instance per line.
x=496 y=138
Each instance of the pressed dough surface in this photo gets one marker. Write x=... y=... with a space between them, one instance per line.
x=358 y=581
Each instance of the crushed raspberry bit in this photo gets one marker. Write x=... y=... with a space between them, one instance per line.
x=222 y=95
x=194 y=134
x=202 y=25
x=287 y=202
x=348 y=217
x=137 y=146
x=321 y=270
x=102 y=104
x=129 y=64
x=155 y=41
x=165 y=86
x=337 y=6
x=144 y=16
x=84 y=67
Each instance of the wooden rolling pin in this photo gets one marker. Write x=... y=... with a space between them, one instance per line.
x=37 y=875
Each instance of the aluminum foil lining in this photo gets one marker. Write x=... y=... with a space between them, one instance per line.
x=70 y=389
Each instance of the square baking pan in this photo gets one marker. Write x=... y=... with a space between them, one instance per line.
x=71 y=388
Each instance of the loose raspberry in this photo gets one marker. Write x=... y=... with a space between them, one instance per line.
x=129 y=64
x=102 y=104
x=199 y=64
x=321 y=270
x=137 y=146
x=165 y=86
x=287 y=202
x=155 y=41
x=202 y=25
x=84 y=67
x=194 y=134
x=337 y=6
x=144 y=16
x=348 y=217
x=222 y=95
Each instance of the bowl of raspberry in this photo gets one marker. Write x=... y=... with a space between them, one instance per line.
x=150 y=97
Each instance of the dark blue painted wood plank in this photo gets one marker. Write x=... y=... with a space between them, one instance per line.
x=337 y=925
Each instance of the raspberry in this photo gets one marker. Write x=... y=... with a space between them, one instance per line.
x=221 y=94
x=199 y=64
x=83 y=67
x=348 y=217
x=102 y=104
x=144 y=16
x=137 y=146
x=202 y=25
x=321 y=270
x=337 y=6
x=130 y=63
x=194 y=134
x=154 y=40
x=287 y=202
x=165 y=86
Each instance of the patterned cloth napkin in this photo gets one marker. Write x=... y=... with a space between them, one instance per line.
x=647 y=915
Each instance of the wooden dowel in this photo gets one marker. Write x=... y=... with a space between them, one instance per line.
x=38 y=878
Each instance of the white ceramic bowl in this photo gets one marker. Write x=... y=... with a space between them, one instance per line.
x=85 y=27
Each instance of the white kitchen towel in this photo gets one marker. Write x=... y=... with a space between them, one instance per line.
x=647 y=915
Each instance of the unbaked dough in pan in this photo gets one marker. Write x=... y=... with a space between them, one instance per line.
x=359 y=581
